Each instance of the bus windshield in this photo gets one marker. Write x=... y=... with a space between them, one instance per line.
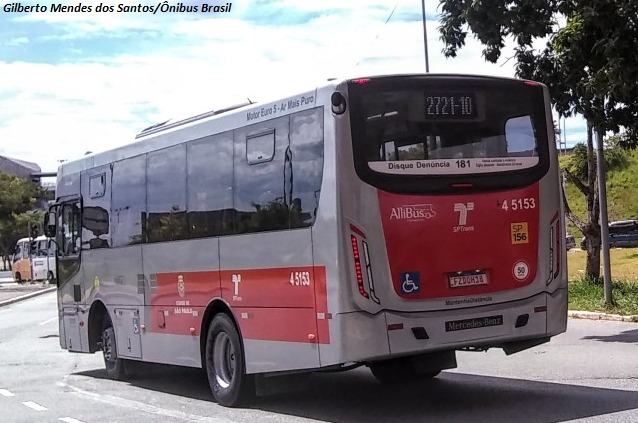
x=447 y=126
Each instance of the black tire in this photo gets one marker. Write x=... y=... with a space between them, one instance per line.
x=115 y=366
x=50 y=277
x=18 y=278
x=398 y=371
x=225 y=364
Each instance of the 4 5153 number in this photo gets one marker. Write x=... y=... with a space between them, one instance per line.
x=300 y=278
x=519 y=204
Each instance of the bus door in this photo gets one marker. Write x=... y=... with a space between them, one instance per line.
x=267 y=269
x=51 y=259
x=69 y=272
x=39 y=259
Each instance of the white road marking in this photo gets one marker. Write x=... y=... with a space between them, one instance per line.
x=139 y=406
x=34 y=406
x=49 y=321
x=6 y=393
x=70 y=420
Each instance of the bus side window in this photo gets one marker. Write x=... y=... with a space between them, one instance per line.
x=18 y=253
x=43 y=249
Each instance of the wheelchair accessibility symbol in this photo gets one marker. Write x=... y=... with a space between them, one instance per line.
x=410 y=282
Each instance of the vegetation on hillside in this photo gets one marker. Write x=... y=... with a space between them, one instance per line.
x=622 y=186
x=622 y=193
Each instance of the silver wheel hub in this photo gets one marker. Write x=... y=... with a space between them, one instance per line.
x=223 y=360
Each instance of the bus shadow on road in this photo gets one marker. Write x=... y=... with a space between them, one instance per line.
x=452 y=397
x=628 y=337
x=356 y=397
x=183 y=381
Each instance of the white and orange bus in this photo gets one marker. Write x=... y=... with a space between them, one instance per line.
x=34 y=260
x=387 y=221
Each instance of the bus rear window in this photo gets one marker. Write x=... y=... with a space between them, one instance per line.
x=445 y=127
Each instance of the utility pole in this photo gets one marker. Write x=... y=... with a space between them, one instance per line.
x=425 y=38
x=604 y=220
x=564 y=136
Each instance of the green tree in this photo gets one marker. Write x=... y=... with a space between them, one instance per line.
x=615 y=158
x=17 y=202
x=588 y=63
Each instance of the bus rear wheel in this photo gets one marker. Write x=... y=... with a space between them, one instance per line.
x=225 y=366
x=114 y=365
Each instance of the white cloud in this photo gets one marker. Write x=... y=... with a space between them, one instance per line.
x=13 y=42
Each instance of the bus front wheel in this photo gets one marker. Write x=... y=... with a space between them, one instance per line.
x=225 y=366
x=114 y=365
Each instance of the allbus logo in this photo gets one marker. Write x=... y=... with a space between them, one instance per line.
x=412 y=212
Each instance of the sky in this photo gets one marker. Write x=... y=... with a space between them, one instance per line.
x=78 y=82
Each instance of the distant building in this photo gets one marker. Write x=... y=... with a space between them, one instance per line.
x=19 y=168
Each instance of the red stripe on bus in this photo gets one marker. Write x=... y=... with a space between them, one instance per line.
x=282 y=304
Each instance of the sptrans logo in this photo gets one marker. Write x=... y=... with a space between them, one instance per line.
x=414 y=212
x=462 y=209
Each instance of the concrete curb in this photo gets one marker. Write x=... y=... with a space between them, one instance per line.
x=590 y=315
x=26 y=296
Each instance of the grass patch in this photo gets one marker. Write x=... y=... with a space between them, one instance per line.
x=584 y=295
x=587 y=296
x=624 y=264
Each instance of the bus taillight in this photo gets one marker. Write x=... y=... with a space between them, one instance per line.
x=554 y=249
x=357 y=266
x=366 y=256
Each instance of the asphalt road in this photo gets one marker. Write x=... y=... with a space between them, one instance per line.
x=589 y=374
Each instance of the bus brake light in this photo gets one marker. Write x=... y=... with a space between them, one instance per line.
x=357 y=267
x=366 y=256
x=361 y=81
x=555 y=244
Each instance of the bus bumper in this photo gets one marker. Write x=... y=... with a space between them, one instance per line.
x=540 y=316
x=513 y=326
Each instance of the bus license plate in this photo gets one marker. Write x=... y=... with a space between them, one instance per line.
x=458 y=281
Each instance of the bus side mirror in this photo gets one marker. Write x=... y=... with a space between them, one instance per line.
x=49 y=224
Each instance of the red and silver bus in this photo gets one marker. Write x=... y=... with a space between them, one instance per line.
x=387 y=221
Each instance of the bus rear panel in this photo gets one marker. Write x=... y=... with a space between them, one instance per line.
x=451 y=203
